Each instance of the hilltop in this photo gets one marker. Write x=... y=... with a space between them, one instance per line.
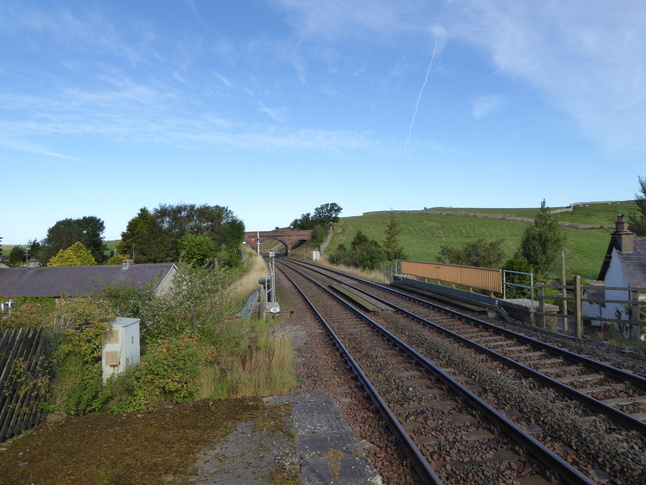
x=587 y=227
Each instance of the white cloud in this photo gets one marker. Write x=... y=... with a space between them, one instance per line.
x=19 y=145
x=585 y=57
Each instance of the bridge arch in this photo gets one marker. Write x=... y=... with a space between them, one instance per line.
x=288 y=238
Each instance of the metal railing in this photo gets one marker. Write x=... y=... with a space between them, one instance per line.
x=517 y=285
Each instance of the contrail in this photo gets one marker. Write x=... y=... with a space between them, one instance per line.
x=419 y=97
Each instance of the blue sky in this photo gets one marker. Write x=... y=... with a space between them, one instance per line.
x=274 y=107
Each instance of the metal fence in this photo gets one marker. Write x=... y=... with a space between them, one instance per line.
x=471 y=277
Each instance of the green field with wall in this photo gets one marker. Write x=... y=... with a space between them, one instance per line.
x=424 y=233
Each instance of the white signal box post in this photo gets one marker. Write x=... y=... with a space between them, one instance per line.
x=121 y=348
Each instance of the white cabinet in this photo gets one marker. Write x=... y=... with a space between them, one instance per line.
x=121 y=347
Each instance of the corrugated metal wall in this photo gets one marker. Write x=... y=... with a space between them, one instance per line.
x=482 y=278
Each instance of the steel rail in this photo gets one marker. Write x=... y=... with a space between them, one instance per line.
x=614 y=414
x=629 y=377
x=533 y=446
x=419 y=463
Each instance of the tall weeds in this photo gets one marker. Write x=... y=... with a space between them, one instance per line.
x=254 y=269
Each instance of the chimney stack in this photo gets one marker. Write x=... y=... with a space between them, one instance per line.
x=624 y=239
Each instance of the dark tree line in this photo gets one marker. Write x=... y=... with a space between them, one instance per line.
x=150 y=237
x=168 y=234
x=86 y=230
x=324 y=215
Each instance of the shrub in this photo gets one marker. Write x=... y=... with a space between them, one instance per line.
x=168 y=372
x=29 y=312
x=81 y=326
x=195 y=303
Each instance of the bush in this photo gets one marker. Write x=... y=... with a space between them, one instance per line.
x=195 y=303
x=29 y=312
x=478 y=253
x=168 y=372
x=364 y=253
x=81 y=327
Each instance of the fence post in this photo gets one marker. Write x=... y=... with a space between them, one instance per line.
x=564 y=289
x=634 y=316
x=541 y=306
x=578 y=307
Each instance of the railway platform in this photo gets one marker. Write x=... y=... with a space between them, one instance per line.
x=326 y=446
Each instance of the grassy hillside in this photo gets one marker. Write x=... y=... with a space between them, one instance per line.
x=424 y=233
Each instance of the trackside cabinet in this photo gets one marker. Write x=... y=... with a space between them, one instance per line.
x=121 y=348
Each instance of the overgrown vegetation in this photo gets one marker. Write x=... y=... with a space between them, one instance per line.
x=192 y=346
x=161 y=446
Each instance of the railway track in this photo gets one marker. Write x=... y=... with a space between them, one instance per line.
x=572 y=436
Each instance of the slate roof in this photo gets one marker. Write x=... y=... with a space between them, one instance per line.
x=78 y=280
x=634 y=264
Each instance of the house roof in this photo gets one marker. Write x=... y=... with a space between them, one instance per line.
x=633 y=263
x=78 y=280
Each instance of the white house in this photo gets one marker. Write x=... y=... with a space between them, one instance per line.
x=623 y=267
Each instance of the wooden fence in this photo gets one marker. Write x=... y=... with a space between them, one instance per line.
x=571 y=299
x=23 y=383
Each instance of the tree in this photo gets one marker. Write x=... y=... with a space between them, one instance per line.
x=391 y=243
x=304 y=223
x=359 y=240
x=543 y=241
x=478 y=253
x=196 y=249
x=17 y=255
x=233 y=233
x=324 y=215
x=86 y=230
x=364 y=253
x=217 y=222
x=183 y=219
x=33 y=249
x=638 y=221
x=146 y=240
x=371 y=255
x=75 y=255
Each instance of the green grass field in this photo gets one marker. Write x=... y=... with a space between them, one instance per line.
x=423 y=234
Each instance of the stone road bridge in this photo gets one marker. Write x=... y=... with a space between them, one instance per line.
x=288 y=238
